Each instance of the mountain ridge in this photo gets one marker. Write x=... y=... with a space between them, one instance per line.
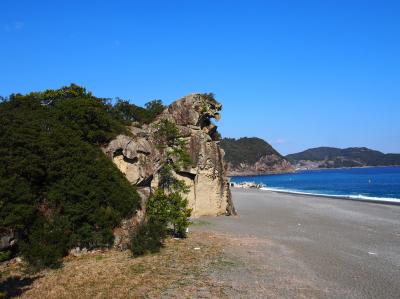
x=333 y=157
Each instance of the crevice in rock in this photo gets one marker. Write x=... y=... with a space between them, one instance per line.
x=119 y=152
x=131 y=161
x=188 y=175
x=142 y=152
x=146 y=182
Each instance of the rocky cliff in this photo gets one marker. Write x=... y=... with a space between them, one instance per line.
x=268 y=164
x=140 y=159
x=253 y=156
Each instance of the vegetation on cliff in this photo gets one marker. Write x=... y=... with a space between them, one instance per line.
x=331 y=157
x=246 y=150
x=251 y=156
x=57 y=188
x=167 y=209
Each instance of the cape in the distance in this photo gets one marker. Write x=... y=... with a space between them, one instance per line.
x=254 y=156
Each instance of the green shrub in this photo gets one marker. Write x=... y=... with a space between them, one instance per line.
x=179 y=214
x=5 y=255
x=170 y=210
x=148 y=238
x=46 y=244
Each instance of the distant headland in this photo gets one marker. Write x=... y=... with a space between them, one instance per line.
x=254 y=156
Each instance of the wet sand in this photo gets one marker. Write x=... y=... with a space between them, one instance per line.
x=307 y=246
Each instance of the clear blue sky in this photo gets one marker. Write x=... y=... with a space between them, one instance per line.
x=296 y=73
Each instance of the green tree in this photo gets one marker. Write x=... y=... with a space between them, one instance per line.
x=154 y=108
x=168 y=204
x=128 y=113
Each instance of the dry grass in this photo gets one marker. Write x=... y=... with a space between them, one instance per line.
x=177 y=271
x=222 y=266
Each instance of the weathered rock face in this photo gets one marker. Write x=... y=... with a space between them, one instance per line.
x=268 y=164
x=139 y=158
x=8 y=239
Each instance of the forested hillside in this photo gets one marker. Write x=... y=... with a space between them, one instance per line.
x=328 y=157
x=246 y=156
x=246 y=150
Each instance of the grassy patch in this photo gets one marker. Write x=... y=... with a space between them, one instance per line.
x=137 y=269
x=5 y=255
x=199 y=222
x=224 y=263
x=177 y=271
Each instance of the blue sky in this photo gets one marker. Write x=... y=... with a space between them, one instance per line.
x=299 y=74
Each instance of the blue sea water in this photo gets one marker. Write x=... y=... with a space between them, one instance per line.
x=374 y=183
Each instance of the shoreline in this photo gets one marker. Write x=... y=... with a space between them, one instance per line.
x=355 y=167
x=311 y=169
x=394 y=201
x=357 y=194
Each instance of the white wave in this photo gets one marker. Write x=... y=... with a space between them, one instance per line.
x=356 y=197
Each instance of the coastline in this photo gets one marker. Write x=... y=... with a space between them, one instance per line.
x=297 y=246
x=355 y=167
x=249 y=173
x=245 y=174
x=321 y=188
x=391 y=201
x=360 y=198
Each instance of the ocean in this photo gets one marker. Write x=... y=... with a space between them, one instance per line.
x=369 y=184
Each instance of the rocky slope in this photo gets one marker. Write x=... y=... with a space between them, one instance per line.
x=331 y=157
x=253 y=156
x=139 y=158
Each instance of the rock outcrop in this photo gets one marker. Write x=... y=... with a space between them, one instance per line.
x=140 y=159
x=8 y=239
x=268 y=164
x=253 y=156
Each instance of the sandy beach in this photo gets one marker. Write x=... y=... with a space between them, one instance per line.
x=293 y=246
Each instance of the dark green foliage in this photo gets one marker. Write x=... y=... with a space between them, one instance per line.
x=348 y=157
x=46 y=243
x=167 y=133
x=5 y=255
x=315 y=154
x=57 y=188
x=154 y=108
x=88 y=118
x=128 y=113
x=147 y=238
x=246 y=150
x=209 y=96
x=170 y=210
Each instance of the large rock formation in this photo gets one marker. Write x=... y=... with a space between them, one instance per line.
x=140 y=159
